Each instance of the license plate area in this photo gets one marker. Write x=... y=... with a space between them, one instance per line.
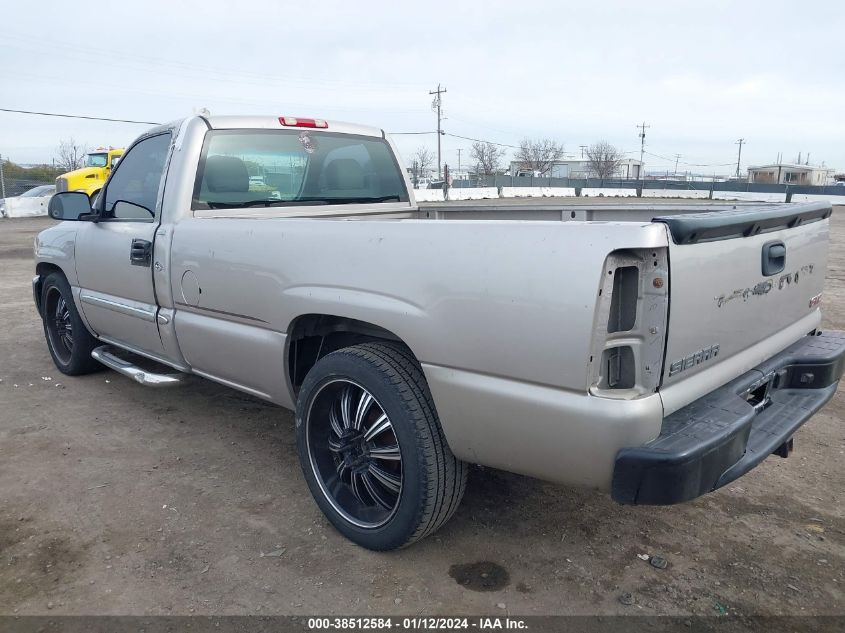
x=758 y=394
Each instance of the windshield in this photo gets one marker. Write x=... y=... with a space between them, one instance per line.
x=243 y=168
x=97 y=160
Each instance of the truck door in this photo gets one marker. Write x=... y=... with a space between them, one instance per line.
x=114 y=256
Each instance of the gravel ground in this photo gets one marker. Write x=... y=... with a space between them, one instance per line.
x=116 y=499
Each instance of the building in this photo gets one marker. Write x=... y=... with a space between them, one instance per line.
x=790 y=174
x=628 y=169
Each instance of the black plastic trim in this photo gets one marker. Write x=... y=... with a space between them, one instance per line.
x=36 y=293
x=693 y=228
x=722 y=436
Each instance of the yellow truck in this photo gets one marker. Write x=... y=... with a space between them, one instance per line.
x=90 y=179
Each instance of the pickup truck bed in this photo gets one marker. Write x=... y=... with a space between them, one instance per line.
x=588 y=345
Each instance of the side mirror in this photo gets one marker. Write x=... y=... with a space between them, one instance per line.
x=70 y=205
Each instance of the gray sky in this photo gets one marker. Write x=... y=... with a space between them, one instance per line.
x=701 y=74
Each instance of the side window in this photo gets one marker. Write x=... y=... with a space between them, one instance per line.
x=133 y=189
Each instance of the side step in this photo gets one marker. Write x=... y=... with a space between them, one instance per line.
x=143 y=376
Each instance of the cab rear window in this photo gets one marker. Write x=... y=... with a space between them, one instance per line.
x=246 y=168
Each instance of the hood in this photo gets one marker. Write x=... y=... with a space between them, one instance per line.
x=85 y=172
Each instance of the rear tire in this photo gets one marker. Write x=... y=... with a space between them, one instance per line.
x=69 y=341
x=372 y=449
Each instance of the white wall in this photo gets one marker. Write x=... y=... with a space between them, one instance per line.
x=536 y=192
x=18 y=207
x=481 y=193
x=610 y=192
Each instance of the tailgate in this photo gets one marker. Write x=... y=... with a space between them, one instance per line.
x=737 y=279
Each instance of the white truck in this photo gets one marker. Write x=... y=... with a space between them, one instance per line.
x=655 y=353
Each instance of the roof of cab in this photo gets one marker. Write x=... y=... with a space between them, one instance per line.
x=272 y=123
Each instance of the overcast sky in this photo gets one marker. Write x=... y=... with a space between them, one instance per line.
x=702 y=74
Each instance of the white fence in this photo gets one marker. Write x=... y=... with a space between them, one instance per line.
x=481 y=193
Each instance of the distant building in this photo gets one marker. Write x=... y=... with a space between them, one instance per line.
x=580 y=168
x=790 y=174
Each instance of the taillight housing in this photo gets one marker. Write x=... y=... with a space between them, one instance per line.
x=292 y=121
x=629 y=331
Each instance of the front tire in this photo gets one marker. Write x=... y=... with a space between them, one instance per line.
x=69 y=341
x=372 y=449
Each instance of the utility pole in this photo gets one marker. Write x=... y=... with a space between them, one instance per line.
x=583 y=147
x=677 y=158
x=2 y=180
x=459 y=158
x=642 y=128
x=739 y=155
x=435 y=105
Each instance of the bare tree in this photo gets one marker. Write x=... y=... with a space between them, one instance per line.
x=70 y=155
x=538 y=154
x=423 y=162
x=604 y=159
x=487 y=157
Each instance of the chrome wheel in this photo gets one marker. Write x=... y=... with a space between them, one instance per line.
x=59 y=325
x=354 y=453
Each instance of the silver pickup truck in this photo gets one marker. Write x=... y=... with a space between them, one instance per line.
x=655 y=353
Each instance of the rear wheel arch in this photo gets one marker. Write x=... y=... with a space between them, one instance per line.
x=312 y=336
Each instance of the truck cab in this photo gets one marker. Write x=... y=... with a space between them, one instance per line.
x=90 y=179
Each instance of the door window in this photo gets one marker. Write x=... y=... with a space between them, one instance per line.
x=132 y=192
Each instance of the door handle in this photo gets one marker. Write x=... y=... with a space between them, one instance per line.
x=141 y=253
x=774 y=257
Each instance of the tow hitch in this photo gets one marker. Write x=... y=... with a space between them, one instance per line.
x=785 y=449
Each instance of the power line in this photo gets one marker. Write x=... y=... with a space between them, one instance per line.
x=675 y=158
x=671 y=159
x=479 y=140
x=122 y=60
x=79 y=116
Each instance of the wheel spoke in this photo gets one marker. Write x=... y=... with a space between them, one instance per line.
x=391 y=452
x=335 y=423
x=358 y=463
x=377 y=496
x=388 y=480
x=379 y=426
x=363 y=407
x=346 y=407
x=341 y=467
x=356 y=487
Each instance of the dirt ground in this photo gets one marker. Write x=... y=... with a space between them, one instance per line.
x=117 y=499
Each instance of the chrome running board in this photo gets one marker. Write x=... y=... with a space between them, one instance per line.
x=146 y=378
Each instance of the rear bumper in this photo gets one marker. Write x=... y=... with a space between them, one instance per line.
x=726 y=433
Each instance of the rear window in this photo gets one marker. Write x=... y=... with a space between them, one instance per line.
x=246 y=168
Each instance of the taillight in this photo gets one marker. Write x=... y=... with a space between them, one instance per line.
x=292 y=121
x=630 y=329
